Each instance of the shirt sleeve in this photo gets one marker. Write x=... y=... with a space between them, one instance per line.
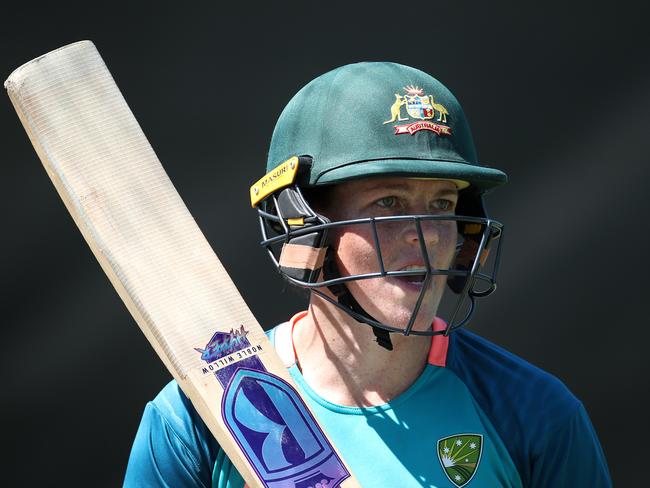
x=571 y=456
x=172 y=447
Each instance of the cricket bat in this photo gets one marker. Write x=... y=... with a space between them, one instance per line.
x=163 y=268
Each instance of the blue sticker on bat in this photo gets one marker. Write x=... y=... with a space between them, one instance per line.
x=268 y=419
x=270 y=422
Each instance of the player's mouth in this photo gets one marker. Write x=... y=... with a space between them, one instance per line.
x=415 y=280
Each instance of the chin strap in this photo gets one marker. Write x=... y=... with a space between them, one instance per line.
x=345 y=298
x=382 y=335
x=383 y=338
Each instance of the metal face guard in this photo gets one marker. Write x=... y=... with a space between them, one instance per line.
x=307 y=267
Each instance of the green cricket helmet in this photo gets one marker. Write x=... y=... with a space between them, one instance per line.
x=365 y=120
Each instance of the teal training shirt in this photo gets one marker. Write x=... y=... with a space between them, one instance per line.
x=477 y=416
x=396 y=444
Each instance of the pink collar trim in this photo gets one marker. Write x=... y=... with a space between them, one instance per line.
x=439 y=344
x=437 y=352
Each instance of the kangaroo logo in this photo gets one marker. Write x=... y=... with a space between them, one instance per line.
x=419 y=106
x=396 y=108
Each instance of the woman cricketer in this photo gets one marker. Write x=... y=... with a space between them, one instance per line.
x=373 y=201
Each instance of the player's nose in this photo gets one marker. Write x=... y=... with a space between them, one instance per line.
x=426 y=232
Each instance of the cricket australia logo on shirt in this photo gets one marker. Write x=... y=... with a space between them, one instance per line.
x=460 y=456
x=418 y=106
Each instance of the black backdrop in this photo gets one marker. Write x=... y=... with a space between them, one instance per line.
x=557 y=94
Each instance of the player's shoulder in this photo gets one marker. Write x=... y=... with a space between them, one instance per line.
x=181 y=418
x=480 y=362
x=521 y=400
x=532 y=411
x=171 y=400
x=514 y=393
x=526 y=405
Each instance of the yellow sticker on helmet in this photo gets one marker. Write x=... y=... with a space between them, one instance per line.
x=279 y=177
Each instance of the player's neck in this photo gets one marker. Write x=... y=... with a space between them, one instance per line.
x=341 y=360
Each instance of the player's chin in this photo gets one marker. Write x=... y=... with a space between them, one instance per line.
x=392 y=301
x=402 y=310
x=399 y=315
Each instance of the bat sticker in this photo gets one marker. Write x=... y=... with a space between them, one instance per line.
x=268 y=419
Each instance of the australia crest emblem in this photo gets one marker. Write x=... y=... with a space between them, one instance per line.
x=429 y=114
x=460 y=456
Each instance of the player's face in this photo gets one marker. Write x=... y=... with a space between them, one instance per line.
x=392 y=300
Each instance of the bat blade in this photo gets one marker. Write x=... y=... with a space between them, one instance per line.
x=163 y=268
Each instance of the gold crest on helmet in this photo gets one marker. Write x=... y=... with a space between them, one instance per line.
x=420 y=106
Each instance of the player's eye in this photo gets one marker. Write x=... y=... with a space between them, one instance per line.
x=387 y=202
x=443 y=204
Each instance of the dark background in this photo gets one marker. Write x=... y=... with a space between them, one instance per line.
x=557 y=94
